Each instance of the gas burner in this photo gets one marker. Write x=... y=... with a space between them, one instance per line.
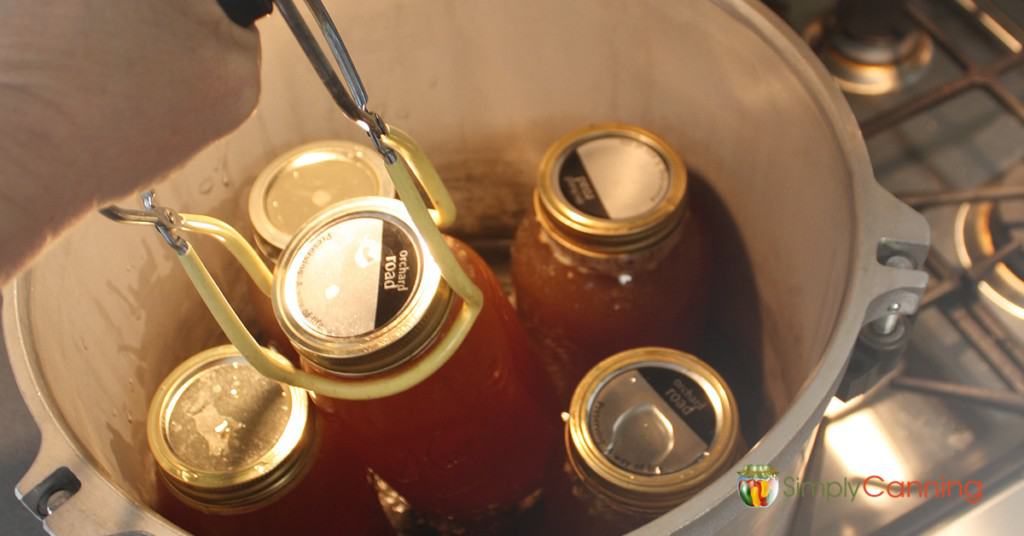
x=871 y=47
x=995 y=229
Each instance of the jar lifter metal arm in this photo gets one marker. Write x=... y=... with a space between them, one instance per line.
x=354 y=106
x=406 y=163
x=168 y=222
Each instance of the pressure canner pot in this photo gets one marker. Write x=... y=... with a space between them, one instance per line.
x=485 y=87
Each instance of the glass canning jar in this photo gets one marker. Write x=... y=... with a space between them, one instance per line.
x=612 y=256
x=360 y=296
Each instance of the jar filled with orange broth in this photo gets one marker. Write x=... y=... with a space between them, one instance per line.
x=240 y=454
x=612 y=256
x=360 y=296
x=646 y=429
x=294 y=188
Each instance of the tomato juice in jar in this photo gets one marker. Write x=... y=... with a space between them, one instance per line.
x=240 y=454
x=612 y=256
x=647 y=428
x=360 y=296
x=294 y=188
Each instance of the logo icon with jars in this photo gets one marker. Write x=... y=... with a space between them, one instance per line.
x=758 y=485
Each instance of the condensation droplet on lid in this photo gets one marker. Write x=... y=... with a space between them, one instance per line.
x=206 y=186
x=565 y=416
x=217 y=389
x=222 y=427
x=234 y=392
x=320 y=198
x=625 y=279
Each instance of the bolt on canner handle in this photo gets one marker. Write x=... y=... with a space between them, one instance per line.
x=407 y=166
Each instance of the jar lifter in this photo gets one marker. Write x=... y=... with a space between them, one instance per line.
x=407 y=166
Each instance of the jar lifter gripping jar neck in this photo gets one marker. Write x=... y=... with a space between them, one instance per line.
x=407 y=166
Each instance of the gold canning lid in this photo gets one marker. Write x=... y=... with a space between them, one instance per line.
x=226 y=438
x=610 y=188
x=357 y=290
x=650 y=426
x=308 y=179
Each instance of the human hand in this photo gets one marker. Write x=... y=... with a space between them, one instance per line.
x=99 y=98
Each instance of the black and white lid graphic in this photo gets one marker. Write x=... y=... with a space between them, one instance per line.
x=353 y=277
x=652 y=420
x=614 y=178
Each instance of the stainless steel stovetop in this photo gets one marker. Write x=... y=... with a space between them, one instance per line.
x=946 y=127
